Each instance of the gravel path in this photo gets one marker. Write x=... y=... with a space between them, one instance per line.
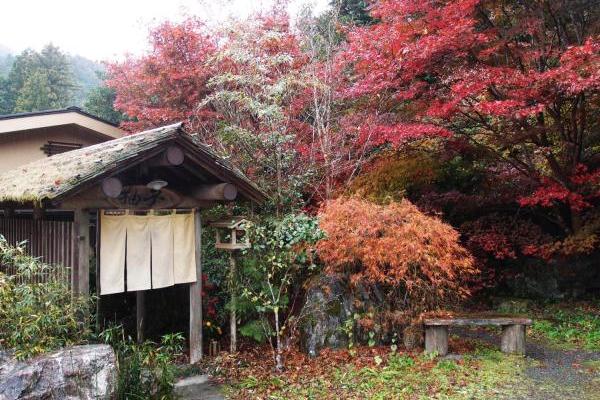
x=552 y=373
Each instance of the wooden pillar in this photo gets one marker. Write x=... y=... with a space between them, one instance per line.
x=99 y=321
x=81 y=277
x=232 y=315
x=513 y=339
x=196 y=297
x=436 y=339
x=140 y=315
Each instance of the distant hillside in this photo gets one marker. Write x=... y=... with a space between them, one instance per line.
x=6 y=60
x=87 y=73
x=87 y=76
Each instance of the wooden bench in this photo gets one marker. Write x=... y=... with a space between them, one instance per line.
x=513 y=332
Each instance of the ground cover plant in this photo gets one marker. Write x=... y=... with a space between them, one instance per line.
x=146 y=370
x=569 y=325
x=37 y=315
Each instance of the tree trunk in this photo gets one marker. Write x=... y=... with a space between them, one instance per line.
x=278 y=356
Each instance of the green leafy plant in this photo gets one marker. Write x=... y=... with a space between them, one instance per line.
x=281 y=251
x=146 y=370
x=37 y=311
x=255 y=329
x=570 y=328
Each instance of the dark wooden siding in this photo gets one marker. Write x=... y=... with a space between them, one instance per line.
x=51 y=241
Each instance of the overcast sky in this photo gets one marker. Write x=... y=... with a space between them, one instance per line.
x=106 y=29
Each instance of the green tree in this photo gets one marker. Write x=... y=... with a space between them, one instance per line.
x=36 y=94
x=41 y=81
x=100 y=102
x=6 y=98
x=353 y=11
x=260 y=75
x=282 y=251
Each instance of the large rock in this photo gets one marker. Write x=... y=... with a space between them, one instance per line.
x=80 y=372
x=327 y=307
x=336 y=312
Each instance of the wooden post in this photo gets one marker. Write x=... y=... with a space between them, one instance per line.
x=140 y=315
x=436 y=339
x=196 y=297
x=232 y=314
x=513 y=339
x=99 y=322
x=82 y=255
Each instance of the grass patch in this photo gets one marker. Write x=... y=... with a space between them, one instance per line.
x=485 y=375
x=569 y=328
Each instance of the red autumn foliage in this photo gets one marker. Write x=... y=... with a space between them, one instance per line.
x=519 y=80
x=398 y=247
x=166 y=85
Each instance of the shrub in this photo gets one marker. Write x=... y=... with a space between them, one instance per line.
x=146 y=370
x=416 y=257
x=393 y=175
x=36 y=317
x=281 y=252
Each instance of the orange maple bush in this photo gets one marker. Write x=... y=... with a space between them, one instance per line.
x=398 y=247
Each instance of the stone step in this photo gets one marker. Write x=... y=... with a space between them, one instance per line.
x=197 y=388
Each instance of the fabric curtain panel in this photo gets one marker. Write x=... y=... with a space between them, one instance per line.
x=161 y=232
x=113 y=233
x=159 y=250
x=138 y=253
x=184 y=257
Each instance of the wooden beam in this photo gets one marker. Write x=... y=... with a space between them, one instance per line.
x=94 y=198
x=219 y=191
x=82 y=242
x=173 y=156
x=196 y=297
x=140 y=315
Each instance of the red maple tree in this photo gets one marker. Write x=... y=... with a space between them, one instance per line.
x=520 y=81
x=167 y=84
x=417 y=257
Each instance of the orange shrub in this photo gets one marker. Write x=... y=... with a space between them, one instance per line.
x=416 y=256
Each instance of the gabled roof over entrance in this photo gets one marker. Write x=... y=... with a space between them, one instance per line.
x=15 y=123
x=63 y=175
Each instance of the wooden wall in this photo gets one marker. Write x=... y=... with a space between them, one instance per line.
x=52 y=241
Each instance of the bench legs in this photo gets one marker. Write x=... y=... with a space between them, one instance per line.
x=513 y=339
x=436 y=340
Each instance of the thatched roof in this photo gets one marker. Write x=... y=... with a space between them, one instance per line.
x=59 y=175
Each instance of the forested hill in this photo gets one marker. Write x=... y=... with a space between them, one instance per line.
x=34 y=81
